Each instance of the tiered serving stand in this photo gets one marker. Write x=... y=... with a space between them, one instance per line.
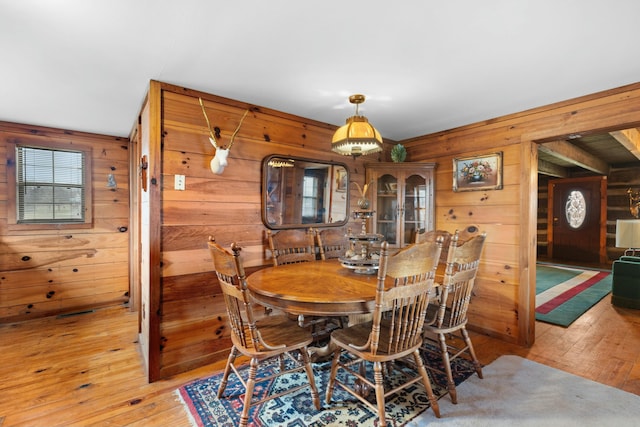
x=367 y=260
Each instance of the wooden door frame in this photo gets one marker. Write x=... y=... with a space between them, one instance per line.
x=529 y=207
x=135 y=291
x=602 y=222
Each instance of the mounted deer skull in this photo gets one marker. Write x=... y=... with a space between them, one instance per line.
x=219 y=161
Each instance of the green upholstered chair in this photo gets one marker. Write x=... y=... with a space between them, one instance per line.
x=625 y=291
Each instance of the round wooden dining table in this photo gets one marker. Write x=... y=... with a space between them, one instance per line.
x=320 y=288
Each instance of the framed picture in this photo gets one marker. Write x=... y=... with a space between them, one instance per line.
x=341 y=179
x=478 y=173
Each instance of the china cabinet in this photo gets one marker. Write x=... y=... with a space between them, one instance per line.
x=402 y=195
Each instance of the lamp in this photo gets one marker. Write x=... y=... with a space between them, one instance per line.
x=357 y=137
x=281 y=163
x=628 y=235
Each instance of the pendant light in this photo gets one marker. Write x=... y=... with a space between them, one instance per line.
x=357 y=137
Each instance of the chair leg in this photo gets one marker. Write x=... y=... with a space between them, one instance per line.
x=427 y=383
x=377 y=375
x=451 y=385
x=251 y=382
x=227 y=369
x=332 y=375
x=310 y=377
x=472 y=353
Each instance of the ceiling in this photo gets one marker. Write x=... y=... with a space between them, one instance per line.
x=425 y=66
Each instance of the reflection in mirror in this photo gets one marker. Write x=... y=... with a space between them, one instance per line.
x=299 y=192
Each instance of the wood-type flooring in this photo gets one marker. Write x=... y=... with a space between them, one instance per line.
x=86 y=370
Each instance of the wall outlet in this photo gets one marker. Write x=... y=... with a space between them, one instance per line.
x=179 y=183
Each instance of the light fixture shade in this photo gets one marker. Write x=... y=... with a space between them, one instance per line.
x=357 y=137
x=281 y=163
x=628 y=233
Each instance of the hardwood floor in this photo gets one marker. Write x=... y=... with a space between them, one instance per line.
x=86 y=370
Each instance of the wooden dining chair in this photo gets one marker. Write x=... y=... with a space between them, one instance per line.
x=332 y=243
x=290 y=246
x=430 y=236
x=268 y=338
x=294 y=246
x=422 y=236
x=402 y=297
x=447 y=320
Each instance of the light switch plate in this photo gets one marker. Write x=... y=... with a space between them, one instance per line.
x=180 y=182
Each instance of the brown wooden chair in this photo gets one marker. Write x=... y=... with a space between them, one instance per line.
x=290 y=246
x=422 y=236
x=273 y=336
x=448 y=319
x=430 y=236
x=395 y=331
x=332 y=243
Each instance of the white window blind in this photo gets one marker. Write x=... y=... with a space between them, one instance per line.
x=310 y=197
x=50 y=185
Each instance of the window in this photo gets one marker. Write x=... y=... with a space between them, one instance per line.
x=309 y=198
x=575 y=209
x=52 y=187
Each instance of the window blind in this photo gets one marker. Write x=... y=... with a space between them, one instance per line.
x=51 y=187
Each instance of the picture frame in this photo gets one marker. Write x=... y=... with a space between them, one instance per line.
x=478 y=172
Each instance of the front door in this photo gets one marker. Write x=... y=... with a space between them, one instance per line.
x=577 y=219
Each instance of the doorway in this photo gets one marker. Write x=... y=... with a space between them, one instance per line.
x=576 y=219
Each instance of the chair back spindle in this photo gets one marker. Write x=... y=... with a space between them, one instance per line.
x=332 y=243
x=291 y=246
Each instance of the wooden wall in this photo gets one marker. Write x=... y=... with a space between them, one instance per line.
x=54 y=271
x=185 y=314
x=183 y=309
x=503 y=305
x=182 y=317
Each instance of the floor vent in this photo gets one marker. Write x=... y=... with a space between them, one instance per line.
x=77 y=313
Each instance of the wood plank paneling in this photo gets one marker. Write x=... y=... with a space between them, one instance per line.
x=515 y=206
x=52 y=271
x=228 y=205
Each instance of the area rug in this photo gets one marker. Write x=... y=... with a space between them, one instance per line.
x=523 y=393
x=296 y=409
x=563 y=294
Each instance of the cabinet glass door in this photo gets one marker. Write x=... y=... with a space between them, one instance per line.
x=387 y=208
x=415 y=207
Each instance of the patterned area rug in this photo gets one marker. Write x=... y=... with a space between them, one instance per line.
x=563 y=294
x=297 y=410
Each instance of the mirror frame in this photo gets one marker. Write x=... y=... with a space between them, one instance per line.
x=265 y=193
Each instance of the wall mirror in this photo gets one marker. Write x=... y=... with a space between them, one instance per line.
x=298 y=193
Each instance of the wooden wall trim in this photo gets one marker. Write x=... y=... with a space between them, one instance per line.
x=41 y=131
x=528 y=232
x=155 y=225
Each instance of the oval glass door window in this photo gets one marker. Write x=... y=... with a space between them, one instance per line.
x=575 y=209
